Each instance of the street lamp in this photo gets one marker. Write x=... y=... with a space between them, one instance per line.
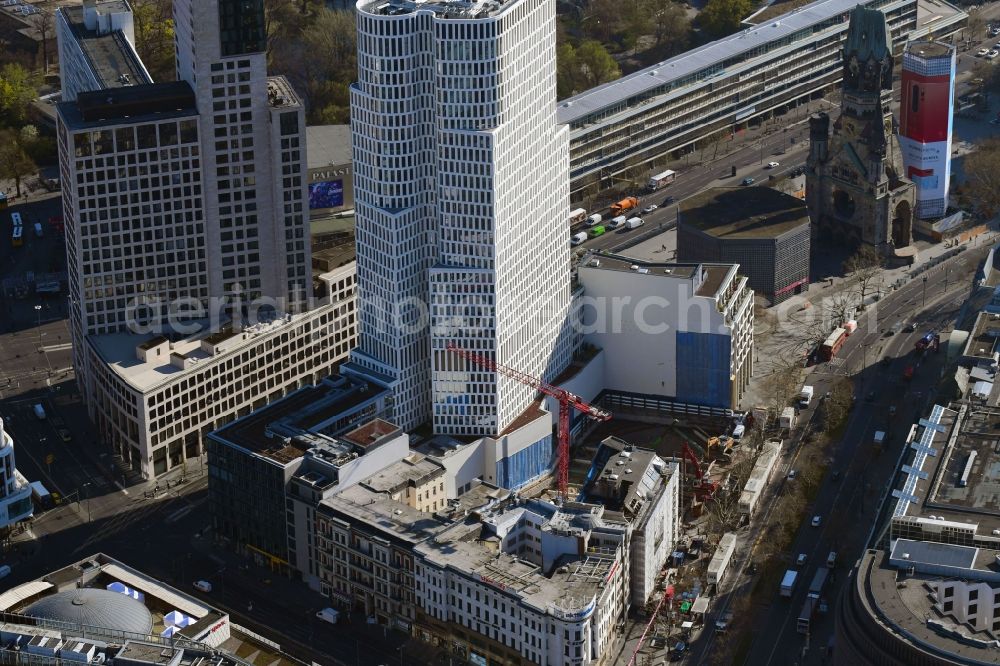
x=84 y=486
x=924 y=298
x=38 y=319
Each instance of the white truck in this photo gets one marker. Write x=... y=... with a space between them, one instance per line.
x=634 y=222
x=787 y=419
x=788 y=582
x=720 y=560
x=805 y=396
x=578 y=238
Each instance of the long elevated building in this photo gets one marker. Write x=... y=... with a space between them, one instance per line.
x=641 y=120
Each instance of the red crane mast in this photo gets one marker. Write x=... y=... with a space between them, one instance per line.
x=566 y=401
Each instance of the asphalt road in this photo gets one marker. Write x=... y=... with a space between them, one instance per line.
x=847 y=507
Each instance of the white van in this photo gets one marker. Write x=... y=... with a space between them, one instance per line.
x=203 y=585
x=634 y=223
x=578 y=238
x=617 y=222
x=594 y=219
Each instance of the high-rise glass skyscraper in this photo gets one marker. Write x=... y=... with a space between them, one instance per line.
x=461 y=190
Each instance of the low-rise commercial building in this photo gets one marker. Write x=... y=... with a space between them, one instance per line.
x=928 y=593
x=329 y=168
x=102 y=611
x=690 y=326
x=763 y=230
x=624 y=128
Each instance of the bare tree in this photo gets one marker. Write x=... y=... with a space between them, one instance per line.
x=15 y=163
x=982 y=172
x=837 y=407
x=43 y=22
x=864 y=265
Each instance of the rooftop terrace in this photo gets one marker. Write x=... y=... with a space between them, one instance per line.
x=448 y=9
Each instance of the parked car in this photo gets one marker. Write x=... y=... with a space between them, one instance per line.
x=747 y=181
x=801 y=559
x=791 y=475
x=982 y=52
x=816 y=521
x=203 y=585
x=993 y=53
x=650 y=208
x=669 y=200
x=773 y=165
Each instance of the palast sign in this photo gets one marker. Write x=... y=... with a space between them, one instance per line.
x=320 y=176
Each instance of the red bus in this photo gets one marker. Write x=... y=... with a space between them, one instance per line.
x=833 y=344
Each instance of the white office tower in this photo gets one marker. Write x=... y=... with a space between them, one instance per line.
x=15 y=492
x=461 y=191
x=253 y=154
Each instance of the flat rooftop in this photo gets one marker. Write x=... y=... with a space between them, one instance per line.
x=281 y=94
x=909 y=609
x=740 y=213
x=449 y=9
x=628 y=477
x=929 y=49
x=364 y=506
x=328 y=146
x=713 y=276
x=572 y=584
x=274 y=430
x=985 y=337
x=937 y=461
x=111 y=57
x=118 y=350
x=414 y=470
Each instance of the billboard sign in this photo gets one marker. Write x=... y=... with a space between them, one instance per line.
x=326 y=194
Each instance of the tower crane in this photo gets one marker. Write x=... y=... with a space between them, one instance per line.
x=566 y=401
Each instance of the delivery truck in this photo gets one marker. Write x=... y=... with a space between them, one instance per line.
x=805 y=396
x=661 y=180
x=623 y=206
x=788 y=582
x=787 y=420
x=577 y=216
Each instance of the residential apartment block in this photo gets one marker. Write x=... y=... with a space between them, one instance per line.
x=446 y=170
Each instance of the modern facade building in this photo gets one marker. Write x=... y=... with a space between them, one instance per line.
x=15 y=493
x=925 y=123
x=252 y=461
x=639 y=121
x=763 y=230
x=856 y=185
x=186 y=222
x=928 y=591
x=447 y=168
x=96 y=44
x=689 y=325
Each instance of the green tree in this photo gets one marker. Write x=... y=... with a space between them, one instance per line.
x=596 y=64
x=154 y=37
x=722 y=17
x=15 y=163
x=18 y=88
x=567 y=68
